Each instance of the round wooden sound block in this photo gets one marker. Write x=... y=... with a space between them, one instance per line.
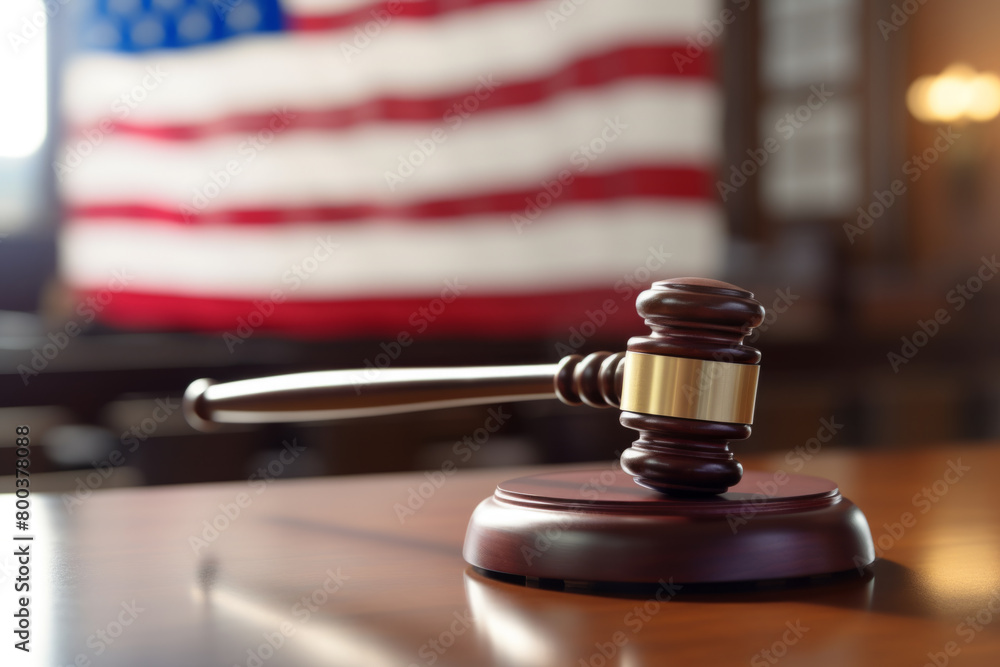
x=600 y=526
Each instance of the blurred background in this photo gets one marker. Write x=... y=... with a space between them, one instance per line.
x=234 y=188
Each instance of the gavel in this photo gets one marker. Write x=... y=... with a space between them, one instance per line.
x=688 y=388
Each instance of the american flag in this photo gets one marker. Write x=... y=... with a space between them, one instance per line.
x=338 y=165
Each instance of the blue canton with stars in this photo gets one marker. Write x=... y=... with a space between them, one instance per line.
x=135 y=26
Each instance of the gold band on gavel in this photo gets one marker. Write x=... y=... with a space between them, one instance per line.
x=689 y=388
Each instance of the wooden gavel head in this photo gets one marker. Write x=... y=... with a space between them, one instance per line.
x=688 y=387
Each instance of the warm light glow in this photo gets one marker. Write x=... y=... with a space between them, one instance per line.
x=960 y=568
x=515 y=636
x=323 y=636
x=23 y=119
x=985 y=102
x=957 y=94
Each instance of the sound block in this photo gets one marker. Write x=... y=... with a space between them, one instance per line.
x=599 y=526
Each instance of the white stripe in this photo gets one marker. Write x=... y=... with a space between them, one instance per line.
x=321 y=7
x=512 y=42
x=574 y=247
x=656 y=123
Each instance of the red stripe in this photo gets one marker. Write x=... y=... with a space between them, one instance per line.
x=658 y=61
x=554 y=315
x=650 y=182
x=384 y=12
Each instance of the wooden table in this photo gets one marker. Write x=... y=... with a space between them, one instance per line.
x=329 y=572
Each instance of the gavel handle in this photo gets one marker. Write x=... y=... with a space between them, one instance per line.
x=344 y=394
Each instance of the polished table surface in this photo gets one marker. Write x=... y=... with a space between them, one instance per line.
x=331 y=572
